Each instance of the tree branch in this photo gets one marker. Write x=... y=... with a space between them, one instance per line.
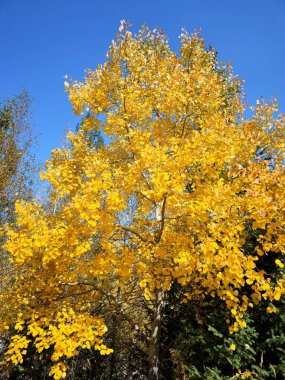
x=135 y=233
x=162 y=222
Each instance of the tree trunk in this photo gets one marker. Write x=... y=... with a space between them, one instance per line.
x=154 y=344
x=112 y=366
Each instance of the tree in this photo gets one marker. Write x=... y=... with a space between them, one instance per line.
x=167 y=204
x=16 y=161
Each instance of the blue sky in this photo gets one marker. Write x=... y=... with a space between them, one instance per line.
x=42 y=40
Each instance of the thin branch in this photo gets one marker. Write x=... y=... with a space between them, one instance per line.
x=95 y=287
x=157 y=240
x=184 y=124
x=135 y=233
x=176 y=217
x=149 y=199
x=75 y=294
x=146 y=180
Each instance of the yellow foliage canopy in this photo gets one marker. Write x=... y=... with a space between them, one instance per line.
x=173 y=197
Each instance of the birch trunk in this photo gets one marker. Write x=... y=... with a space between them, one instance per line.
x=154 y=344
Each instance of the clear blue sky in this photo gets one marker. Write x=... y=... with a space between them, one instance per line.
x=42 y=40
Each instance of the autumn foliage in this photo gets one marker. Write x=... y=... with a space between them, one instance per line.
x=172 y=198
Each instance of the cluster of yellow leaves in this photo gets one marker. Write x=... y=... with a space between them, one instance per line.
x=58 y=371
x=17 y=348
x=66 y=331
x=173 y=197
x=246 y=375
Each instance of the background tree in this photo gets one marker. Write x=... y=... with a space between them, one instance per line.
x=17 y=165
x=159 y=216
